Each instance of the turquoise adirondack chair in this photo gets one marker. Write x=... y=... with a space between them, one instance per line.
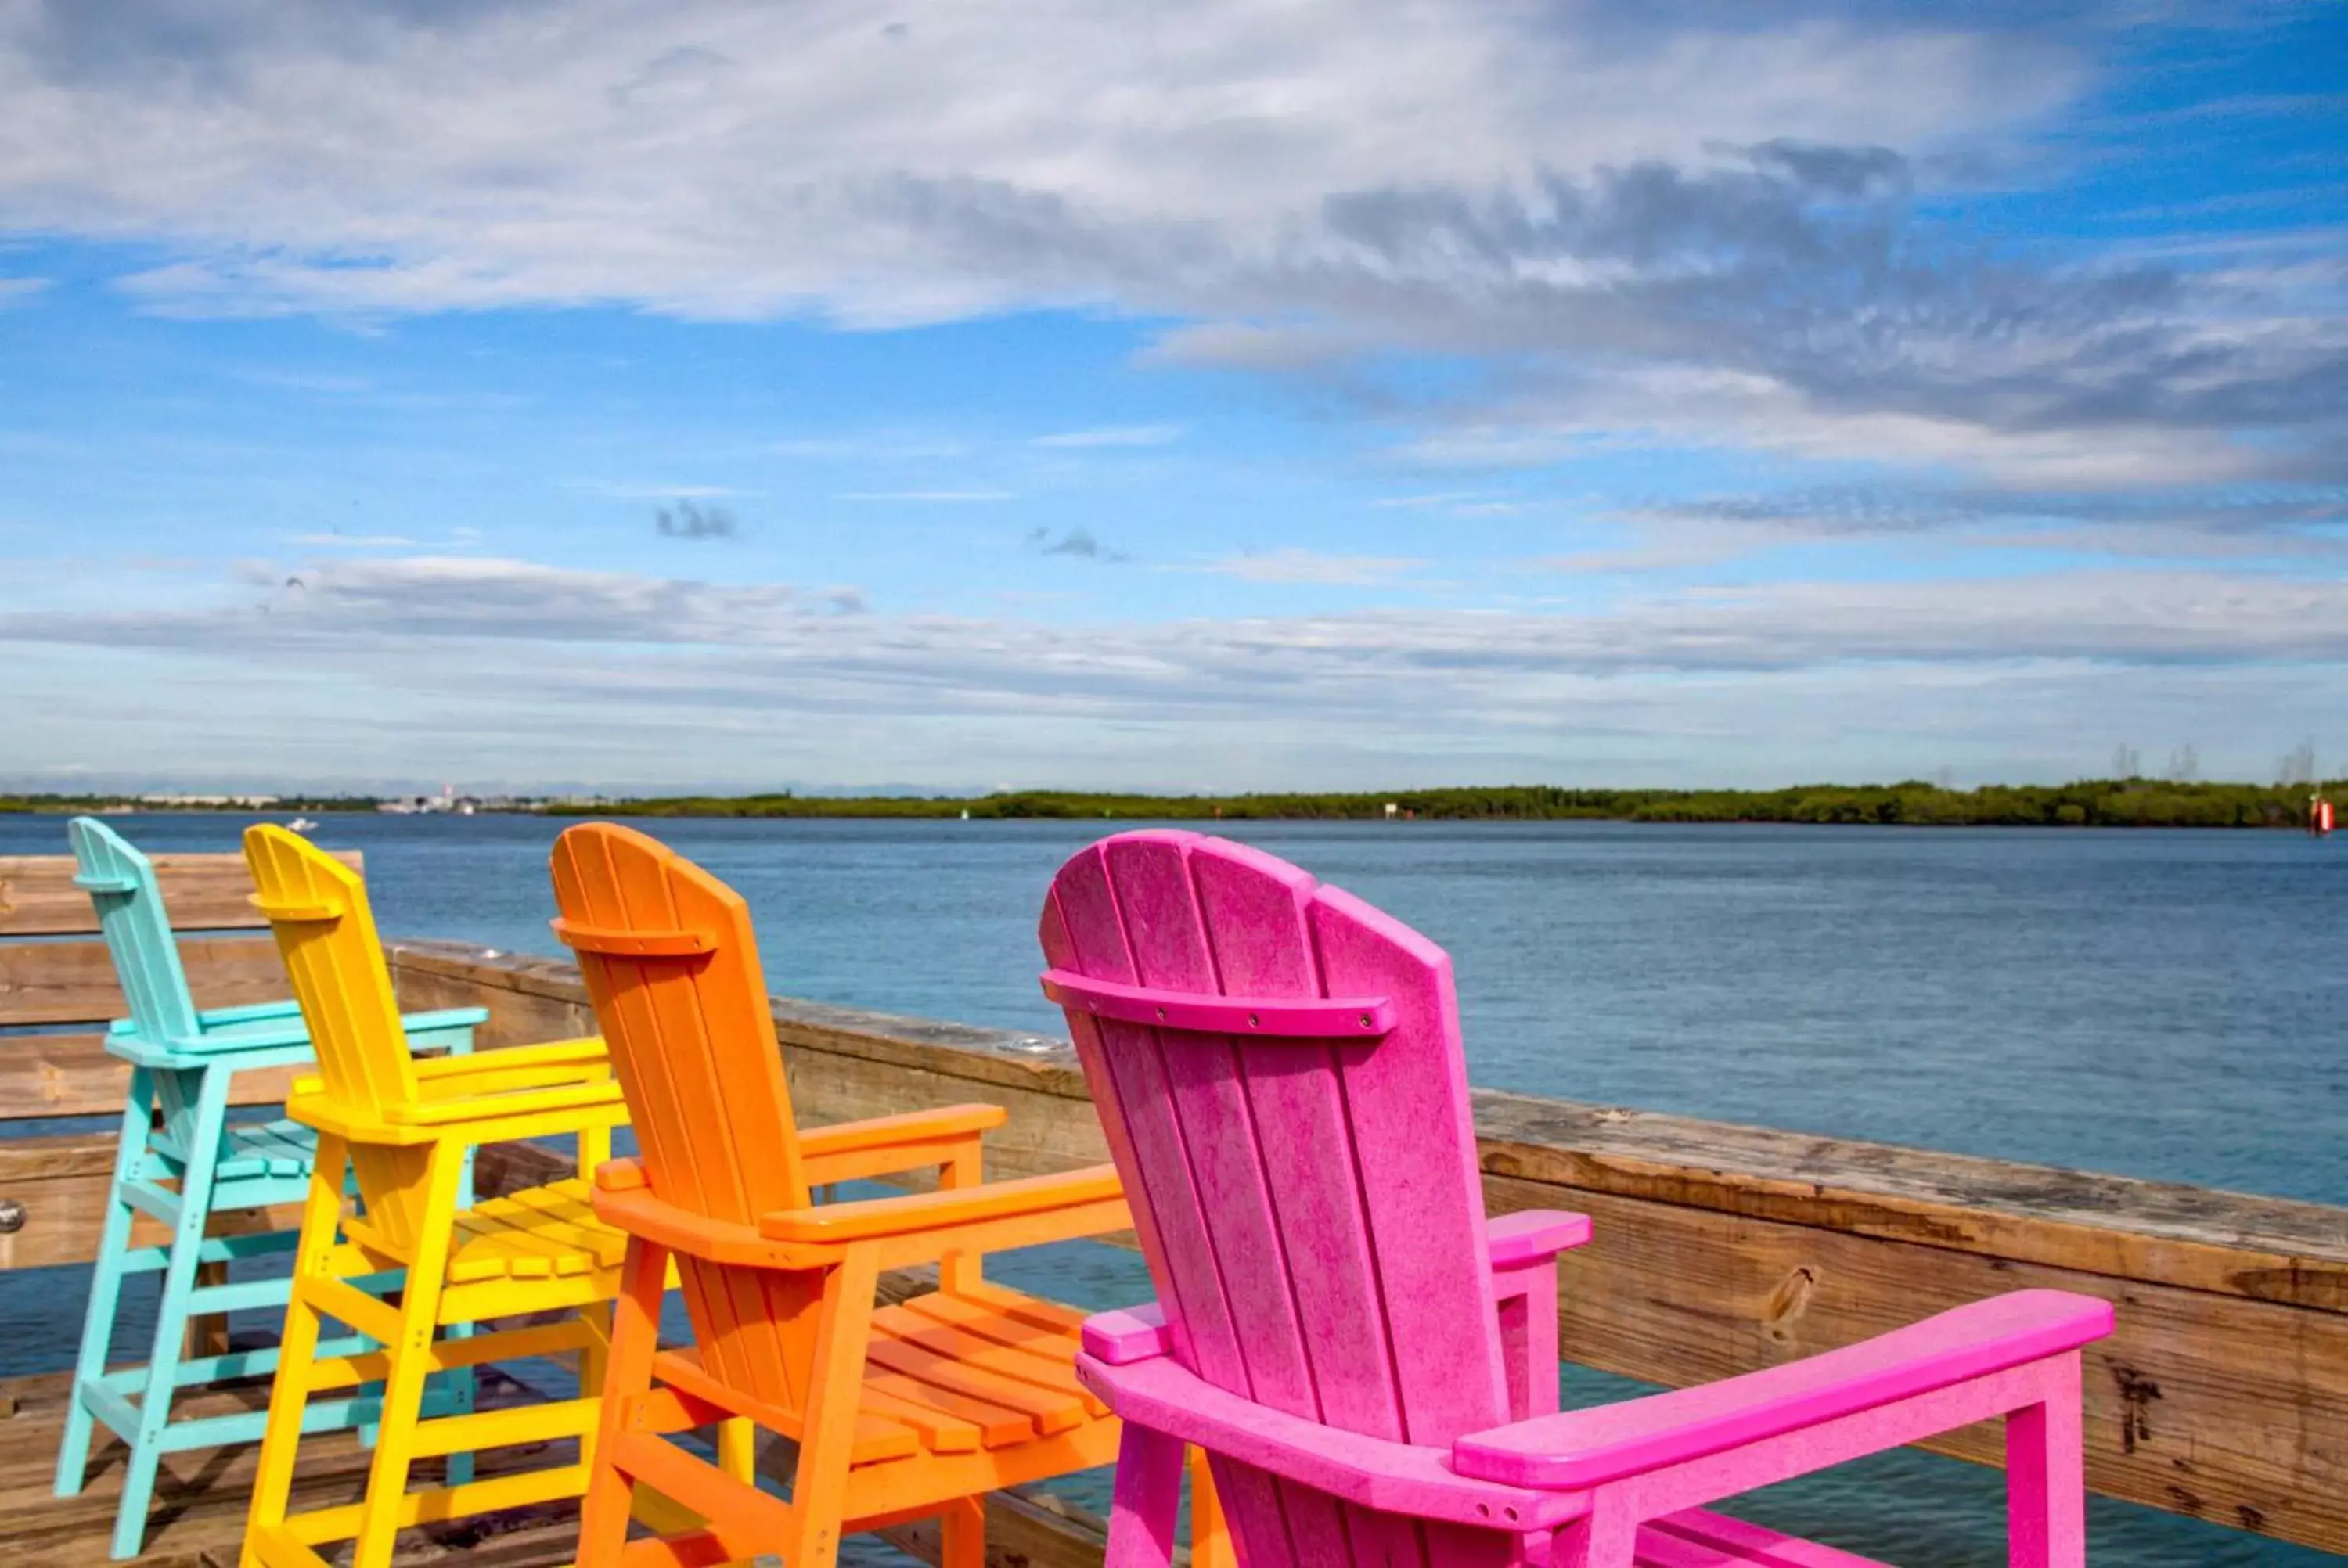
x=181 y=1160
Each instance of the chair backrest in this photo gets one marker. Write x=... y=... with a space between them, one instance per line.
x=1304 y=1178
x=672 y=966
x=317 y=909
x=120 y=882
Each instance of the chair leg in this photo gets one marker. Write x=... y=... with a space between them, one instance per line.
x=627 y=1377
x=207 y=1127
x=105 y=1284
x=411 y=1363
x=297 y=1350
x=1210 y=1535
x=462 y=1383
x=595 y=1356
x=1148 y=1495
x=1606 y=1537
x=962 y=1535
x=737 y=1449
x=2045 y=1477
x=843 y=1332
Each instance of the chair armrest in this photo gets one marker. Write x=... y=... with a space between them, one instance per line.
x=1522 y=1248
x=623 y=1175
x=913 y=1126
x=622 y=1198
x=274 y=1026
x=1582 y=1449
x=1534 y=1235
x=539 y=1099
x=252 y=1013
x=589 y=1050
x=875 y=1218
x=1400 y=1477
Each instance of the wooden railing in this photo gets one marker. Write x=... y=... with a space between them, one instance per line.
x=2223 y=1393
x=57 y=995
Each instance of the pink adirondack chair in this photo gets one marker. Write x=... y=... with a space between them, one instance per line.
x=1370 y=1364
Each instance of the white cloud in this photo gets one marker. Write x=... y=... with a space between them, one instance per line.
x=1667 y=222
x=1114 y=435
x=713 y=160
x=20 y=290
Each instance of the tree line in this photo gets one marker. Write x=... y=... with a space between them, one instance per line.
x=2085 y=803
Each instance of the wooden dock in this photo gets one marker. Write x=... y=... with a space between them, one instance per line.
x=198 y=1520
x=2222 y=1395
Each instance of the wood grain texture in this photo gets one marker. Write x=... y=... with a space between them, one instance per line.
x=199 y=1521
x=73 y=982
x=61 y=1181
x=2197 y=1403
x=204 y=892
x=73 y=1075
x=2222 y=1394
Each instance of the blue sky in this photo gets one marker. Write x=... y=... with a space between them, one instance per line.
x=620 y=396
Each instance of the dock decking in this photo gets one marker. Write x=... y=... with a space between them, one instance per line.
x=198 y=1520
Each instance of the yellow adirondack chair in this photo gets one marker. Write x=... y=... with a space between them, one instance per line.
x=405 y=1128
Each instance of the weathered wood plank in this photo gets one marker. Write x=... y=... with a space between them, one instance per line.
x=73 y=982
x=2199 y=1403
x=73 y=1075
x=203 y=892
x=1027 y=1528
x=60 y=1181
x=202 y=1499
x=1722 y=1249
x=2235 y=1244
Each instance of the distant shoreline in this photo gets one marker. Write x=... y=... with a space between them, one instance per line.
x=2088 y=802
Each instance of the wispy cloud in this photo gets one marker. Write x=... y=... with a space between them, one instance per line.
x=876 y=448
x=1292 y=564
x=941 y=498
x=1114 y=435
x=637 y=492
x=20 y=290
x=1078 y=541
x=1445 y=499
x=418 y=645
x=340 y=541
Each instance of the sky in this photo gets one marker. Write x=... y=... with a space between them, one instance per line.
x=630 y=396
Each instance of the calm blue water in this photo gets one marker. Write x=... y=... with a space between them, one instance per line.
x=2167 y=1005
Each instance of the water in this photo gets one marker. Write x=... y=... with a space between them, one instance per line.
x=2164 y=1004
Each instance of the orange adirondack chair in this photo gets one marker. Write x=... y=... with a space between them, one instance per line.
x=899 y=1412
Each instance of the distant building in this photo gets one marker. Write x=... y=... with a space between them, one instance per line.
x=246 y=802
